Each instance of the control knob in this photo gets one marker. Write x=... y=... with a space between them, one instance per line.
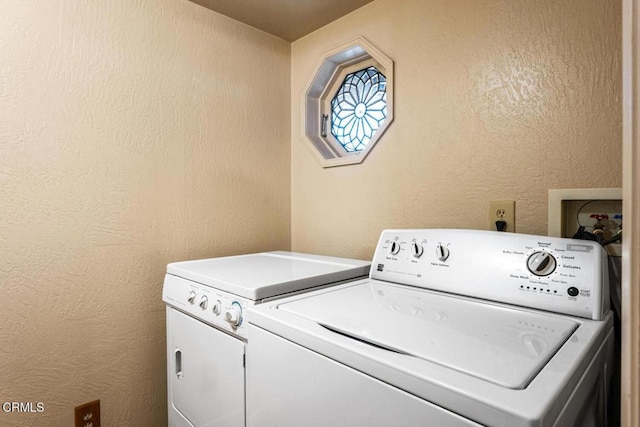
x=217 y=308
x=192 y=297
x=204 y=301
x=234 y=314
x=442 y=252
x=416 y=249
x=395 y=248
x=541 y=263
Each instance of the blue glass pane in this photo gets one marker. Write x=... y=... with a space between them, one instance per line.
x=359 y=108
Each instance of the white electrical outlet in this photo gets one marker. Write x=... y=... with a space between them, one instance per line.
x=503 y=210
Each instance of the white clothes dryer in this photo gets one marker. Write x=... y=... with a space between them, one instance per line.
x=207 y=302
x=452 y=328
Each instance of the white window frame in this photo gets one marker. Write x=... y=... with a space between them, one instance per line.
x=329 y=93
x=329 y=76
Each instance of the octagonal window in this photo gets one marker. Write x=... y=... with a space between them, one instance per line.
x=348 y=104
x=359 y=108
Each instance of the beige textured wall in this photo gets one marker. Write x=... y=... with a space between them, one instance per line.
x=494 y=100
x=132 y=133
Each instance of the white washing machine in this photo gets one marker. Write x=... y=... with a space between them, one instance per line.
x=452 y=328
x=207 y=301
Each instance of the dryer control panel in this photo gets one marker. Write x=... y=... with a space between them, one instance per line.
x=548 y=273
x=221 y=309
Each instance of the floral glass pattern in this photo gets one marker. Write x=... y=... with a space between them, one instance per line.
x=359 y=108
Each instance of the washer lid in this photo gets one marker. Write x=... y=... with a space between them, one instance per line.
x=267 y=274
x=502 y=345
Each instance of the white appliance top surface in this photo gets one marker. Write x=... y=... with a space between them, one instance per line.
x=268 y=274
x=505 y=346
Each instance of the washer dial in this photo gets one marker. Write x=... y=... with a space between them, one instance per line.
x=541 y=263
x=394 y=248
x=417 y=250
x=442 y=252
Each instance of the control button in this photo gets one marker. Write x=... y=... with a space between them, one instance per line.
x=416 y=250
x=217 y=308
x=541 y=263
x=395 y=248
x=234 y=314
x=192 y=297
x=573 y=291
x=204 y=301
x=442 y=252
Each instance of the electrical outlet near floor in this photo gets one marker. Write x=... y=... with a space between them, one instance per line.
x=88 y=415
x=503 y=210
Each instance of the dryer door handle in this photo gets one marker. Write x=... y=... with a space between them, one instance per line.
x=178 y=363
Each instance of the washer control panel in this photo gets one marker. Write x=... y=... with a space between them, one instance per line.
x=221 y=309
x=548 y=273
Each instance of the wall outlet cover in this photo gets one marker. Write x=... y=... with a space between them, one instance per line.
x=88 y=414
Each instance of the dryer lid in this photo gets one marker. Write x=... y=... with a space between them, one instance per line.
x=268 y=274
x=503 y=345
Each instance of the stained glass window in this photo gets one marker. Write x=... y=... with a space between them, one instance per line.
x=359 y=108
